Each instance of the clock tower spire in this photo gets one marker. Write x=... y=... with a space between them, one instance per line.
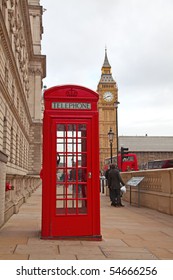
x=108 y=97
x=106 y=75
x=106 y=63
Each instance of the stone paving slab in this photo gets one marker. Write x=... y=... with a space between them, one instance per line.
x=34 y=256
x=158 y=235
x=91 y=257
x=162 y=254
x=168 y=231
x=35 y=240
x=123 y=249
x=171 y=250
x=13 y=257
x=130 y=256
x=114 y=242
x=85 y=250
x=35 y=248
x=5 y=240
x=105 y=242
x=149 y=244
x=128 y=252
x=7 y=249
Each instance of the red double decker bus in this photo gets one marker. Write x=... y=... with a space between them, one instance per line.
x=158 y=164
x=126 y=163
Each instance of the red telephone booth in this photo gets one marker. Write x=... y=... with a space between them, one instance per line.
x=70 y=177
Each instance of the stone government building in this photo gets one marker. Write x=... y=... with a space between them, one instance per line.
x=22 y=68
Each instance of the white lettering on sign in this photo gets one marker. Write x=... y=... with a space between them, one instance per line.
x=74 y=106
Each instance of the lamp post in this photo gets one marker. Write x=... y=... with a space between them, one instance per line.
x=111 y=137
x=116 y=112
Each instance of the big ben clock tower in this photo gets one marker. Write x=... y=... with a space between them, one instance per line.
x=107 y=106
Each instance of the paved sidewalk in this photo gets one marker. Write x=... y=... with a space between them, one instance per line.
x=128 y=233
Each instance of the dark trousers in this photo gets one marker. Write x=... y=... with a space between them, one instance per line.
x=115 y=196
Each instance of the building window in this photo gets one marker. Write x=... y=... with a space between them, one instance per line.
x=21 y=151
x=11 y=145
x=17 y=150
x=4 y=135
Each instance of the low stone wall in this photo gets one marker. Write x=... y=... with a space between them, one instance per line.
x=21 y=188
x=156 y=189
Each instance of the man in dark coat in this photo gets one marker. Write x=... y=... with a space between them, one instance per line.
x=107 y=172
x=114 y=184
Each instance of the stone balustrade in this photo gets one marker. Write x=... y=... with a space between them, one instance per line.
x=156 y=189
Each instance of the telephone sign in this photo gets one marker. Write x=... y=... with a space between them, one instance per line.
x=70 y=176
x=67 y=105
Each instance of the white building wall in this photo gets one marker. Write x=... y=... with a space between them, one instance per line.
x=20 y=101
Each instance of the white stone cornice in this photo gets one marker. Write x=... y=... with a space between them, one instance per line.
x=41 y=60
x=35 y=71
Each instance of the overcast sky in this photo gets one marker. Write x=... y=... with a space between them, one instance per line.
x=138 y=35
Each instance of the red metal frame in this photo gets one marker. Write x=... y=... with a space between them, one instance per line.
x=70 y=198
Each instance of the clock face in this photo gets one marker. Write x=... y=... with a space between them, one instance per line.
x=108 y=96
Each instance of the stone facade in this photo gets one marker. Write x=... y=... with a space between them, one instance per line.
x=22 y=68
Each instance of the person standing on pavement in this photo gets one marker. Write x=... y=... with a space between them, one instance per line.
x=114 y=185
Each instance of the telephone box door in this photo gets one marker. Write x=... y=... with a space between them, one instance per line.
x=71 y=210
